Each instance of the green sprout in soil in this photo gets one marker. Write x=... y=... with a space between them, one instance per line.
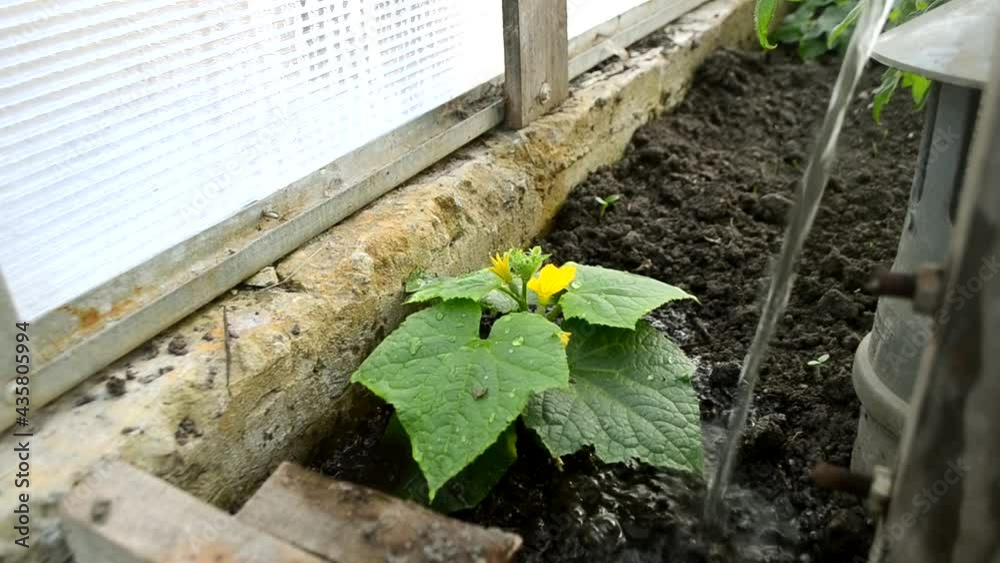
x=606 y=202
x=568 y=355
x=818 y=362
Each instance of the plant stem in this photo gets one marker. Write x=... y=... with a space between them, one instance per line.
x=522 y=304
x=524 y=293
x=554 y=313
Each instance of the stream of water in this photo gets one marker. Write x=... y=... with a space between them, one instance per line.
x=817 y=173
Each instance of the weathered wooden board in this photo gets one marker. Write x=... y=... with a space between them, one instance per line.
x=536 y=58
x=349 y=523
x=127 y=516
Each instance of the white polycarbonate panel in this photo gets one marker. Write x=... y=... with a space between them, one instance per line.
x=129 y=126
x=585 y=14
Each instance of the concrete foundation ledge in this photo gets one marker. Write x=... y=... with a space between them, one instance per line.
x=217 y=424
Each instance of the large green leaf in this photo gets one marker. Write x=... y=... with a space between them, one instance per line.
x=474 y=286
x=463 y=491
x=763 y=14
x=630 y=397
x=612 y=298
x=455 y=393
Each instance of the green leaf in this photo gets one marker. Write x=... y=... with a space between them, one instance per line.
x=919 y=87
x=630 y=398
x=612 y=298
x=890 y=80
x=419 y=280
x=788 y=34
x=500 y=302
x=811 y=49
x=474 y=286
x=455 y=393
x=845 y=24
x=463 y=491
x=763 y=15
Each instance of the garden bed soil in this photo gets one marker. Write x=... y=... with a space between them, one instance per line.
x=704 y=195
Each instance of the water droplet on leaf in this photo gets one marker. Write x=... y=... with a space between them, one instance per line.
x=575 y=285
x=439 y=316
x=518 y=341
x=415 y=344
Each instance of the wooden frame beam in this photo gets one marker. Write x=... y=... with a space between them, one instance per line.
x=536 y=58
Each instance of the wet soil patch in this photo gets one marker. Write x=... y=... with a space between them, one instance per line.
x=704 y=195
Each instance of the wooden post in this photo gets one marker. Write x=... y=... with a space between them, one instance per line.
x=536 y=58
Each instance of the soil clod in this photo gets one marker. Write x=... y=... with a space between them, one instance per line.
x=178 y=346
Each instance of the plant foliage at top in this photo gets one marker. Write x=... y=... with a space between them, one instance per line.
x=569 y=353
x=818 y=27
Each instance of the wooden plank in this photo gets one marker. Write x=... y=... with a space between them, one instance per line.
x=346 y=522
x=612 y=37
x=536 y=58
x=124 y=515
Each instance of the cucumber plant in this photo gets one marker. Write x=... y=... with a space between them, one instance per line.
x=569 y=354
x=818 y=27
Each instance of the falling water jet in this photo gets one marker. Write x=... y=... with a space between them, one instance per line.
x=873 y=17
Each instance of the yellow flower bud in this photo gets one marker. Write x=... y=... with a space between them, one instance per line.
x=501 y=266
x=564 y=338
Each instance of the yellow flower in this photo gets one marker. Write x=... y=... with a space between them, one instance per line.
x=564 y=338
x=551 y=280
x=501 y=266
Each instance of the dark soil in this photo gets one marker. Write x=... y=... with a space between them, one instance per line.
x=705 y=191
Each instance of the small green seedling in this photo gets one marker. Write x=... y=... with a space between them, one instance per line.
x=606 y=202
x=818 y=362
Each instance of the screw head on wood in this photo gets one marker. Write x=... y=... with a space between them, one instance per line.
x=545 y=94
